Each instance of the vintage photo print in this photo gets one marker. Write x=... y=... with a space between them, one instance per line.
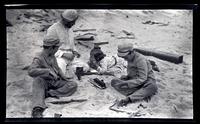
x=99 y=63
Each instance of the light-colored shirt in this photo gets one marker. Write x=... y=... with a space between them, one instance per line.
x=106 y=63
x=64 y=64
x=64 y=34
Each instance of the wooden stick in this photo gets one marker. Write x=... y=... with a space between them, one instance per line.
x=96 y=73
x=116 y=110
x=84 y=30
x=84 y=37
x=68 y=101
x=126 y=38
x=101 y=43
x=130 y=113
x=83 y=44
x=88 y=34
x=126 y=32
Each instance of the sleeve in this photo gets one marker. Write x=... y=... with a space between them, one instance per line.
x=52 y=31
x=142 y=71
x=60 y=72
x=61 y=64
x=35 y=69
x=62 y=75
x=103 y=66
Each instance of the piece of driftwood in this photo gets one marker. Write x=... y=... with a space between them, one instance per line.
x=68 y=101
x=101 y=43
x=85 y=44
x=90 y=44
x=28 y=15
x=96 y=73
x=80 y=73
x=84 y=37
x=127 y=33
x=154 y=22
x=174 y=58
x=125 y=37
x=84 y=30
x=90 y=34
x=131 y=114
x=116 y=110
x=107 y=31
x=136 y=114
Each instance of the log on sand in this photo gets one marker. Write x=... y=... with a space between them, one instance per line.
x=174 y=58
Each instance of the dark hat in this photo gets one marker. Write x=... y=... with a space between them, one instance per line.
x=51 y=41
x=99 y=55
x=124 y=49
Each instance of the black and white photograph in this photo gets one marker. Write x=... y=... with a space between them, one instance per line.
x=99 y=63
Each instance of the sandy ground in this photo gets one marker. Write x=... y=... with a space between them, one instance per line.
x=175 y=93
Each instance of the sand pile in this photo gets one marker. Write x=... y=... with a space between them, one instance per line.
x=154 y=29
